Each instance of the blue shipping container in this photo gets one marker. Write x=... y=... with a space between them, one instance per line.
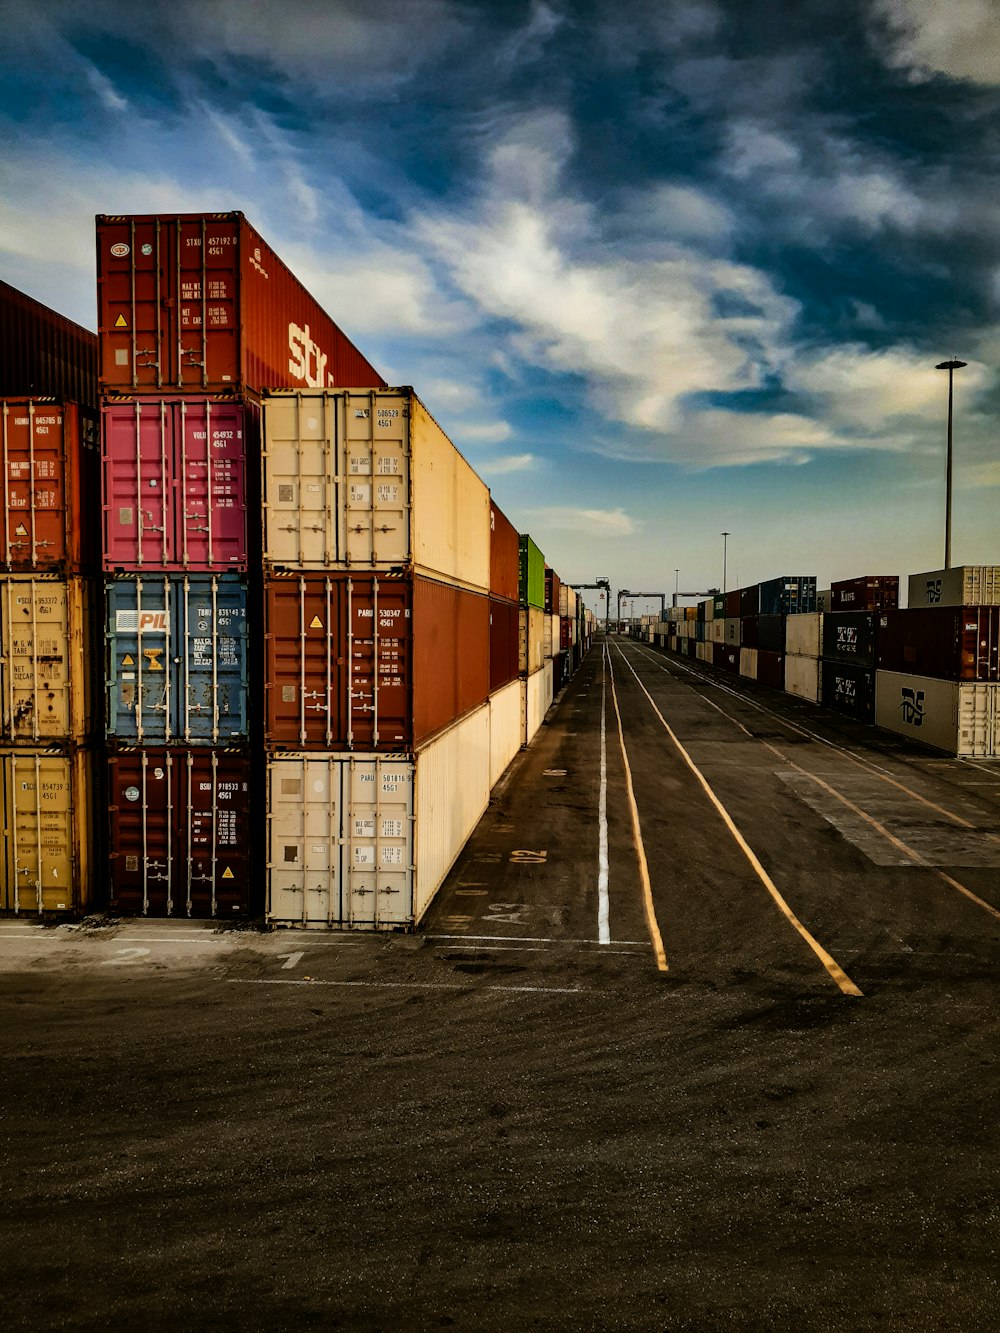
x=176 y=661
x=789 y=595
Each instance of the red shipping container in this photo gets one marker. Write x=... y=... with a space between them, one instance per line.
x=553 y=583
x=733 y=604
x=771 y=669
x=43 y=354
x=874 y=592
x=370 y=662
x=175 y=478
x=201 y=302
x=565 y=633
x=180 y=832
x=504 y=556
x=50 y=486
x=504 y=643
x=960 y=643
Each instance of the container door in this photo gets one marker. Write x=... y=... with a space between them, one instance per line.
x=209 y=646
x=141 y=796
x=375 y=461
x=304 y=827
x=211 y=478
x=35 y=438
x=35 y=660
x=979 y=720
x=139 y=672
x=138 y=460
x=212 y=838
x=378 y=853
x=40 y=834
x=303 y=488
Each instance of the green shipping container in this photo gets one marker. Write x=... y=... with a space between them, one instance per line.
x=720 y=606
x=532 y=574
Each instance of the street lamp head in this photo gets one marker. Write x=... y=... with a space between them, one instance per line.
x=954 y=364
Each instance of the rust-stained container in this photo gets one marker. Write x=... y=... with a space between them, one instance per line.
x=504 y=643
x=369 y=480
x=962 y=585
x=945 y=642
x=803 y=675
x=370 y=661
x=364 y=841
x=44 y=354
x=962 y=719
x=804 y=634
x=48 y=861
x=552 y=586
x=505 y=555
x=771 y=668
x=200 y=302
x=47 y=659
x=51 y=496
x=180 y=832
x=175 y=474
x=872 y=592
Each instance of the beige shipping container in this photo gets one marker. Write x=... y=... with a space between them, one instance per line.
x=803 y=674
x=505 y=729
x=962 y=719
x=748 y=663
x=46 y=659
x=732 y=630
x=367 y=479
x=553 y=637
x=363 y=842
x=536 y=700
x=962 y=585
x=530 y=639
x=717 y=631
x=48 y=830
x=567 y=600
x=804 y=634
x=703 y=652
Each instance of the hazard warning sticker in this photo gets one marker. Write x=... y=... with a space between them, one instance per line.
x=228 y=874
x=121 y=322
x=315 y=623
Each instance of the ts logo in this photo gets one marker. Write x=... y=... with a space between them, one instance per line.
x=912 y=706
x=933 y=592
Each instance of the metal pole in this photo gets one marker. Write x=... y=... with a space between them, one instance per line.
x=677 y=584
x=950 y=366
x=725 y=545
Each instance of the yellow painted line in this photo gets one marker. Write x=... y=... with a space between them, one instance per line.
x=647 y=889
x=834 y=969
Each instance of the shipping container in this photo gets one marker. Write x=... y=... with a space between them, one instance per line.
x=849 y=637
x=849 y=689
x=504 y=643
x=201 y=302
x=505 y=728
x=719 y=606
x=565 y=634
x=703 y=651
x=51 y=487
x=771 y=633
x=552 y=636
x=730 y=658
x=536 y=700
x=176 y=658
x=175 y=482
x=363 y=842
x=804 y=634
x=750 y=601
x=47 y=659
x=505 y=555
x=803 y=676
x=789 y=594
x=962 y=585
x=961 y=718
x=567 y=601
x=531 y=576
x=48 y=862
x=771 y=668
x=946 y=642
x=44 y=354
x=180 y=832
x=749 y=631
x=733 y=627
x=872 y=592
x=824 y=600
x=553 y=583
x=717 y=631
x=733 y=600
x=370 y=661
x=531 y=640
x=748 y=663
x=369 y=480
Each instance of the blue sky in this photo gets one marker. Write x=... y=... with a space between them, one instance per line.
x=660 y=269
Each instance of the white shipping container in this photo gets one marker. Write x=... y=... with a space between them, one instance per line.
x=963 y=585
x=530 y=639
x=567 y=600
x=803 y=675
x=717 y=631
x=804 y=634
x=536 y=700
x=505 y=729
x=367 y=479
x=363 y=842
x=709 y=605
x=733 y=630
x=703 y=652
x=960 y=718
x=748 y=663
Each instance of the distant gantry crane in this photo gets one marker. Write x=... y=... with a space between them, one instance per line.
x=605 y=586
x=662 y=596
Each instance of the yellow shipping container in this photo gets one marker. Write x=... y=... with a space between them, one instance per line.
x=48 y=830
x=46 y=659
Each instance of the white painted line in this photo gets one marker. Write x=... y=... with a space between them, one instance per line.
x=409 y=985
x=603 y=903
x=496 y=948
x=530 y=939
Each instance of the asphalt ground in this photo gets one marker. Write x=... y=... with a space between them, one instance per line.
x=700 y=1033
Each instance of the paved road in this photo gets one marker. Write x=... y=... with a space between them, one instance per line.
x=704 y=1042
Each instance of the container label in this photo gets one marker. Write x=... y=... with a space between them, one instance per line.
x=120 y=250
x=142 y=622
x=911 y=706
x=132 y=793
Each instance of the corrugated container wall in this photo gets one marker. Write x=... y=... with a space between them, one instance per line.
x=803 y=676
x=946 y=642
x=531 y=639
x=531 y=580
x=849 y=637
x=553 y=585
x=789 y=594
x=961 y=719
x=201 y=302
x=48 y=860
x=804 y=634
x=873 y=592
x=47 y=651
x=849 y=689
x=505 y=555
x=43 y=354
x=963 y=585
x=504 y=643
x=369 y=480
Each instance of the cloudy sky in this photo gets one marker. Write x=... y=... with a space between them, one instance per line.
x=661 y=269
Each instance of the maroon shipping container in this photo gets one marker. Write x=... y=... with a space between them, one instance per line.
x=874 y=592
x=504 y=643
x=370 y=662
x=771 y=669
x=200 y=302
x=749 y=631
x=750 y=601
x=552 y=585
x=565 y=634
x=719 y=651
x=504 y=556
x=50 y=486
x=960 y=643
x=730 y=658
x=43 y=354
x=175 y=475
x=733 y=604
x=180 y=832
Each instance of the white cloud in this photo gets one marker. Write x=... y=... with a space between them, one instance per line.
x=503 y=465
x=594 y=522
x=960 y=38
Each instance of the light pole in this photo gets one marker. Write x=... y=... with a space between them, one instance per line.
x=725 y=543
x=950 y=366
x=677 y=584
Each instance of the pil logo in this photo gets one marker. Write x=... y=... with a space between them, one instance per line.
x=142 y=622
x=912 y=706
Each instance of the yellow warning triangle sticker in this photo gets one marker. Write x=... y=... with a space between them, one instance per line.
x=20 y=530
x=128 y=660
x=315 y=623
x=227 y=873
x=121 y=322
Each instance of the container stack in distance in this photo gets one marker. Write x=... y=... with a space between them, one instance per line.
x=49 y=722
